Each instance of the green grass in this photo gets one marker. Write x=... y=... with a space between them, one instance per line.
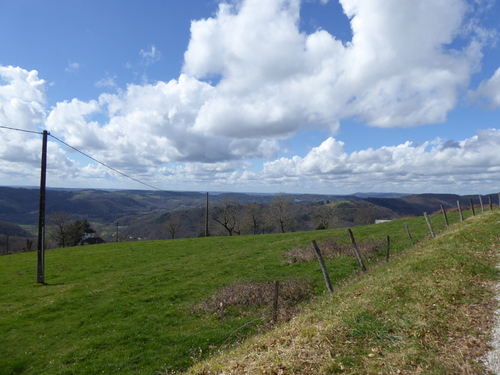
x=428 y=311
x=128 y=308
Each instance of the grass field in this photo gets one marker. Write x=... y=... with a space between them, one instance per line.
x=131 y=308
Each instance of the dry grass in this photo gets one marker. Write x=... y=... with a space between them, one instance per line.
x=259 y=295
x=427 y=312
x=330 y=248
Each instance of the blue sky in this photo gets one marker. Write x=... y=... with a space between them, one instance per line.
x=310 y=96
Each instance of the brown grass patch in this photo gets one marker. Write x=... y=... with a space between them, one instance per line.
x=331 y=248
x=256 y=295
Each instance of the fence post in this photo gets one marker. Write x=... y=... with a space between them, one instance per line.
x=491 y=202
x=472 y=207
x=445 y=216
x=429 y=224
x=481 y=203
x=460 y=211
x=275 y=300
x=409 y=235
x=323 y=267
x=356 y=251
x=388 y=249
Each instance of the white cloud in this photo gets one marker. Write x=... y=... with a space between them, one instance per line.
x=22 y=100
x=273 y=79
x=251 y=78
x=149 y=125
x=489 y=91
x=107 y=82
x=150 y=57
x=410 y=166
x=72 y=67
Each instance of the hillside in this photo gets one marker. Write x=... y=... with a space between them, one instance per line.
x=427 y=312
x=161 y=306
x=153 y=215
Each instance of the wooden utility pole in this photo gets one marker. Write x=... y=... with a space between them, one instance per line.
x=41 y=213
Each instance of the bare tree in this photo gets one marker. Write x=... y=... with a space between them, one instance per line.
x=59 y=223
x=173 y=226
x=281 y=209
x=227 y=215
x=254 y=217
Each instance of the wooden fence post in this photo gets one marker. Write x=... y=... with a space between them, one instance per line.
x=481 y=203
x=491 y=202
x=275 y=300
x=460 y=211
x=323 y=267
x=429 y=224
x=409 y=235
x=445 y=216
x=356 y=251
x=472 y=207
x=388 y=249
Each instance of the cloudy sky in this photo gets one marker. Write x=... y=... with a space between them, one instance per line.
x=306 y=96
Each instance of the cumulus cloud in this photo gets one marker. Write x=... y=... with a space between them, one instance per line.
x=273 y=79
x=251 y=78
x=149 y=125
x=437 y=163
x=22 y=100
x=489 y=91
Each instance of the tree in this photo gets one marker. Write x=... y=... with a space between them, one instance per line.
x=253 y=217
x=68 y=232
x=59 y=222
x=173 y=225
x=326 y=217
x=281 y=209
x=227 y=216
x=77 y=230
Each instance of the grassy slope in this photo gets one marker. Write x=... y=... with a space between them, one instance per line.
x=128 y=307
x=427 y=311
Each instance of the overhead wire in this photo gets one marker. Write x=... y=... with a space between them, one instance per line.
x=86 y=155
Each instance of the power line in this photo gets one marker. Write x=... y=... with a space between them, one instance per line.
x=86 y=155
x=105 y=165
x=20 y=130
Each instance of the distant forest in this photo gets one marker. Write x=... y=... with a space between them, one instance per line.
x=134 y=215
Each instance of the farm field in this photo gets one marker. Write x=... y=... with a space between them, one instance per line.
x=137 y=307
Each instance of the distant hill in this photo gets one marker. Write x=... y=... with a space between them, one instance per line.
x=146 y=214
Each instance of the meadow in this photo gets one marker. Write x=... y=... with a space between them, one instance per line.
x=134 y=307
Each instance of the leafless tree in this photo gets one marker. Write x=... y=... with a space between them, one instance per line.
x=281 y=209
x=227 y=215
x=59 y=223
x=173 y=226
x=254 y=217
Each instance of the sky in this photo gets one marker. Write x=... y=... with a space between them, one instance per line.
x=263 y=96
